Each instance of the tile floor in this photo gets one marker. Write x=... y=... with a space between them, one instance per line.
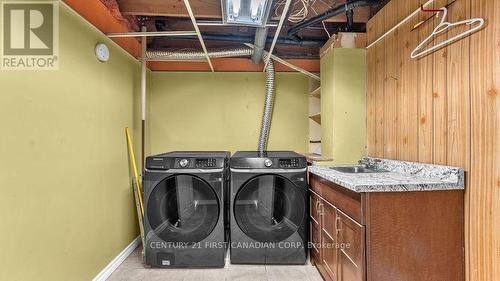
x=133 y=269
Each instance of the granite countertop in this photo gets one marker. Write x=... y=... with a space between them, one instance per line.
x=401 y=176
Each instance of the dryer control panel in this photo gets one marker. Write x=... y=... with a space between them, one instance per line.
x=289 y=163
x=188 y=160
x=197 y=163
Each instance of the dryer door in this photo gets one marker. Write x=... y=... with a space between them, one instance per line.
x=183 y=208
x=269 y=208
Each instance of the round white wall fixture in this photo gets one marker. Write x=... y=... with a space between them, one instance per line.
x=102 y=52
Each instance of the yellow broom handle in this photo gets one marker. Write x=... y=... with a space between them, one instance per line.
x=134 y=168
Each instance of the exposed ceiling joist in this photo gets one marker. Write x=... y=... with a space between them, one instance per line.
x=209 y=9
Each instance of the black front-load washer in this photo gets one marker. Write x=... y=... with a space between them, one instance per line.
x=184 y=208
x=268 y=208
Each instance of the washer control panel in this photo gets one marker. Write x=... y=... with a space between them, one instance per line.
x=289 y=163
x=205 y=163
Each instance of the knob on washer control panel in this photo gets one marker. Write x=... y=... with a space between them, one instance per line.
x=268 y=163
x=183 y=163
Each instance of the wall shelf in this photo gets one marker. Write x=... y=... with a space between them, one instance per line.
x=316 y=93
x=316 y=117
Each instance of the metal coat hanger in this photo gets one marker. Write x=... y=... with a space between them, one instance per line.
x=442 y=27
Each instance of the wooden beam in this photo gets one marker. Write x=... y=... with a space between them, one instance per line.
x=171 y=8
x=212 y=9
x=101 y=17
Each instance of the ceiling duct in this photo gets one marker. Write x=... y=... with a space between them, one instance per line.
x=183 y=55
x=259 y=43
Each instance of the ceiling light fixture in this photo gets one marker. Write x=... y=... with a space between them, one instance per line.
x=246 y=12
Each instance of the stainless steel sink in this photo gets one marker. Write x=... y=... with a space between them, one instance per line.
x=357 y=170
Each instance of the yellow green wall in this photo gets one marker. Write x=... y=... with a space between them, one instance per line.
x=343 y=105
x=222 y=111
x=66 y=208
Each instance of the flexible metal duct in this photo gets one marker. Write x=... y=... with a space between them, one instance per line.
x=196 y=55
x=268 y=109
x=269 y=101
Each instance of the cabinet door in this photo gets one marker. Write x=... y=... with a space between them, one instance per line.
x=329 y=243
x=315 y=229
x=351 y=237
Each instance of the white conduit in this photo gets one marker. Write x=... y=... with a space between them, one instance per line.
x=400 y=23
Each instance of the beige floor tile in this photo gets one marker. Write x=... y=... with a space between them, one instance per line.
x=209 y=274
x=166 y=274
x=129 y=274
x=286 y=272
x=246 y=273
x=313 y=273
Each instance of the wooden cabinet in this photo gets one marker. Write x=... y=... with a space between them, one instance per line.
x=338 y=241
x=352 y=248
x=407 y=236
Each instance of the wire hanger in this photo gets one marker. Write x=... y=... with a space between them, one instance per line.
x=442 y=27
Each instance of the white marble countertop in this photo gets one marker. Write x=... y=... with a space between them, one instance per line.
x=401 y=176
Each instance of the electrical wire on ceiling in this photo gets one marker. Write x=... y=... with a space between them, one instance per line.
x=300 y=10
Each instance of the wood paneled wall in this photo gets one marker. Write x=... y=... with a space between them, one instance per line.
x=443 y=108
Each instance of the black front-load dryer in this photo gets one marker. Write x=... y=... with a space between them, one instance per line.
x=184 y=208
x=268 y=208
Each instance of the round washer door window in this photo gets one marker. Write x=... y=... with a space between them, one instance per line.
x=269 y=208
x=183 y=208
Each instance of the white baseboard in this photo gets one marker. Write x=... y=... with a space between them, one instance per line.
x=115 y=263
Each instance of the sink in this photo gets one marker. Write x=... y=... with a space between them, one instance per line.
x=357 y=170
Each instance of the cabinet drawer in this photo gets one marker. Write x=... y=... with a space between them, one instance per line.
x=342 y=198
x=351 y=237
x=315 y=230
x=328 y=216
x=329 y=256
x=314 y=208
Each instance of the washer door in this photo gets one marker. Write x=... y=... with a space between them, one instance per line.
x=183 y=208
x=269 y=208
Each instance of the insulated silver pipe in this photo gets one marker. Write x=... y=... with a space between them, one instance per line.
x=268 y=109
x=156 y=55
x=259 y=44
x=269 y=100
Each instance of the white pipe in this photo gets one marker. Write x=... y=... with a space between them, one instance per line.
x=193 y=19
x=278 y=29
x=143 y=96
x=151 y=34
x=400 y=23
x=219 y=23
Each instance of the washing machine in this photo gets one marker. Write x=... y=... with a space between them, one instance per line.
x=184 y=204
x=268 y=208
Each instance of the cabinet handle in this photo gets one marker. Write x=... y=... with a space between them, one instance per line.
x=337 y=220
x=320 y=209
